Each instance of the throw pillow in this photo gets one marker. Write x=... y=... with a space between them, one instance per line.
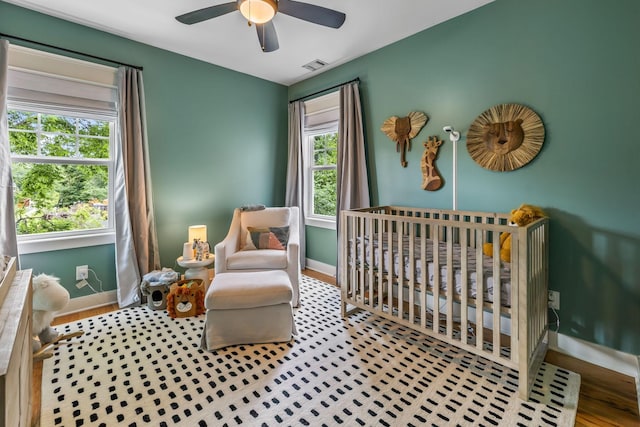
x=268 y=237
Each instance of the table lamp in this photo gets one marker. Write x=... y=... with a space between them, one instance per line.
x=195 y=232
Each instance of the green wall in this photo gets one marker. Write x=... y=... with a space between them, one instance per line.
x=576 y=64
x=217 y=139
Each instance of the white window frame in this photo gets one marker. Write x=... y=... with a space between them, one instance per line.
x=321 y=116
x=322 y=221
x=78 y=74
x=40 y=242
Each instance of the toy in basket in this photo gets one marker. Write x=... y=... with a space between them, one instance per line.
x=186 y=298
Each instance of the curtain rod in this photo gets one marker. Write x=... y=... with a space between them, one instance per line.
x=70 y=51
x=357 y=79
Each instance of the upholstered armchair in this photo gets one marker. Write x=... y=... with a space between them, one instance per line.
x=257 y=241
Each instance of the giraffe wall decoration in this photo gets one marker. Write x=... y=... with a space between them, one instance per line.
x=431 y=179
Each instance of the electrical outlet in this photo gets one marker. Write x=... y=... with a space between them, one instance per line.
x=554 y=300
x=82 y=272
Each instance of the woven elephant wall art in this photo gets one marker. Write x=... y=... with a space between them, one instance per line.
x=402 y=130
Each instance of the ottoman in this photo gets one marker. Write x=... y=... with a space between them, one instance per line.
x=248 y=308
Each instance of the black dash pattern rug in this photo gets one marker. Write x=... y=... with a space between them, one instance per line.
x=138 y=367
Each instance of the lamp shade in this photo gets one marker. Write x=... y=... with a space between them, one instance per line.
x=258 y=11
x=197 y=232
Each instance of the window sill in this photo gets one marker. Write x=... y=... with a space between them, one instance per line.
x=67 y=242
x=321 y=223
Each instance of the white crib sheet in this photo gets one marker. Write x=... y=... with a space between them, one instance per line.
x=416 y=277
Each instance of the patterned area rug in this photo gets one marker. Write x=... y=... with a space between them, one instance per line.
x=139 y=367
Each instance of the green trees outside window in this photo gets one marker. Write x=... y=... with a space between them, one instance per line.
x=324 y=173
x=60 y=167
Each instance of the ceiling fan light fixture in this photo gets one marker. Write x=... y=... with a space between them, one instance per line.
x=258 y=11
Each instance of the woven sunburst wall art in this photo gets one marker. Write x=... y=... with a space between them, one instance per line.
x=505 y=137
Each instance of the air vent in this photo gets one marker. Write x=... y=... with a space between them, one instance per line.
x=314 y=65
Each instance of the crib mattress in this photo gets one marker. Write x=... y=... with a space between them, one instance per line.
x=370 y=244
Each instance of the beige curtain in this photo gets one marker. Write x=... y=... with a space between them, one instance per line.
x=353 y=182
x=295 y=189
x=8 y=238
x=136 y=239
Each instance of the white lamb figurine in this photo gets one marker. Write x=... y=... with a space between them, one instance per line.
x=49 y=297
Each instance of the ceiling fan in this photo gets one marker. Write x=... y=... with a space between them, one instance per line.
x=261 y=13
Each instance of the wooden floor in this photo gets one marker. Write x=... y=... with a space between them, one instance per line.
x=607 y=398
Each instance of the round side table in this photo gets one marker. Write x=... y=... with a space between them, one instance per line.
x=197 y=269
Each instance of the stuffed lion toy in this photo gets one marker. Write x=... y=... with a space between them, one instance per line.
x=524 y=215
x=186 y=298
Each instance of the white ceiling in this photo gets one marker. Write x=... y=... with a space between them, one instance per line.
x=229 y=42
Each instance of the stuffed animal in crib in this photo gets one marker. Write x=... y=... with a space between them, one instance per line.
x=48 y=297
x=524 y=215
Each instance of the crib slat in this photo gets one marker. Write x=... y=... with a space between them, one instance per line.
x=496 y=300
x=377 y=254
x=436 y=278
x=464 y=287
x=360 y=232
x=479 y=296
x=388 y=258
x=400 y=267
x=451 y=284
x=354 y=269
x=424 y=276
x=369 y=271
x=412 y=271
x=518 y=302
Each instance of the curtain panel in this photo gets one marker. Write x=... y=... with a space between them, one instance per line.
x=8 y=237
x=294 y=195
x=136 y=238
x=353 y=181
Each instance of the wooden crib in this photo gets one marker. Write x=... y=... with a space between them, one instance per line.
x=392 y=257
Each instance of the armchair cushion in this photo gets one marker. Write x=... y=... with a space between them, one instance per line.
x=266 y=259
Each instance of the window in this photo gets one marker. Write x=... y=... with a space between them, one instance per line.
x=62 y=120
x=61 y=168
x=321 y=155
x=322 y=176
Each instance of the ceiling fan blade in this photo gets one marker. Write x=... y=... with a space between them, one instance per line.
x=267 y=36
x=312 y=13
x=207 y=13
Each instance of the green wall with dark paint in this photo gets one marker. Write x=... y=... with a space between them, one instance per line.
x=217 y=138
x=576 y=64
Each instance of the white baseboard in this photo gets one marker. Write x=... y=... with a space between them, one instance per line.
x=320 y=267
x=624 y=363
x=90 y=301
x=605 y=357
